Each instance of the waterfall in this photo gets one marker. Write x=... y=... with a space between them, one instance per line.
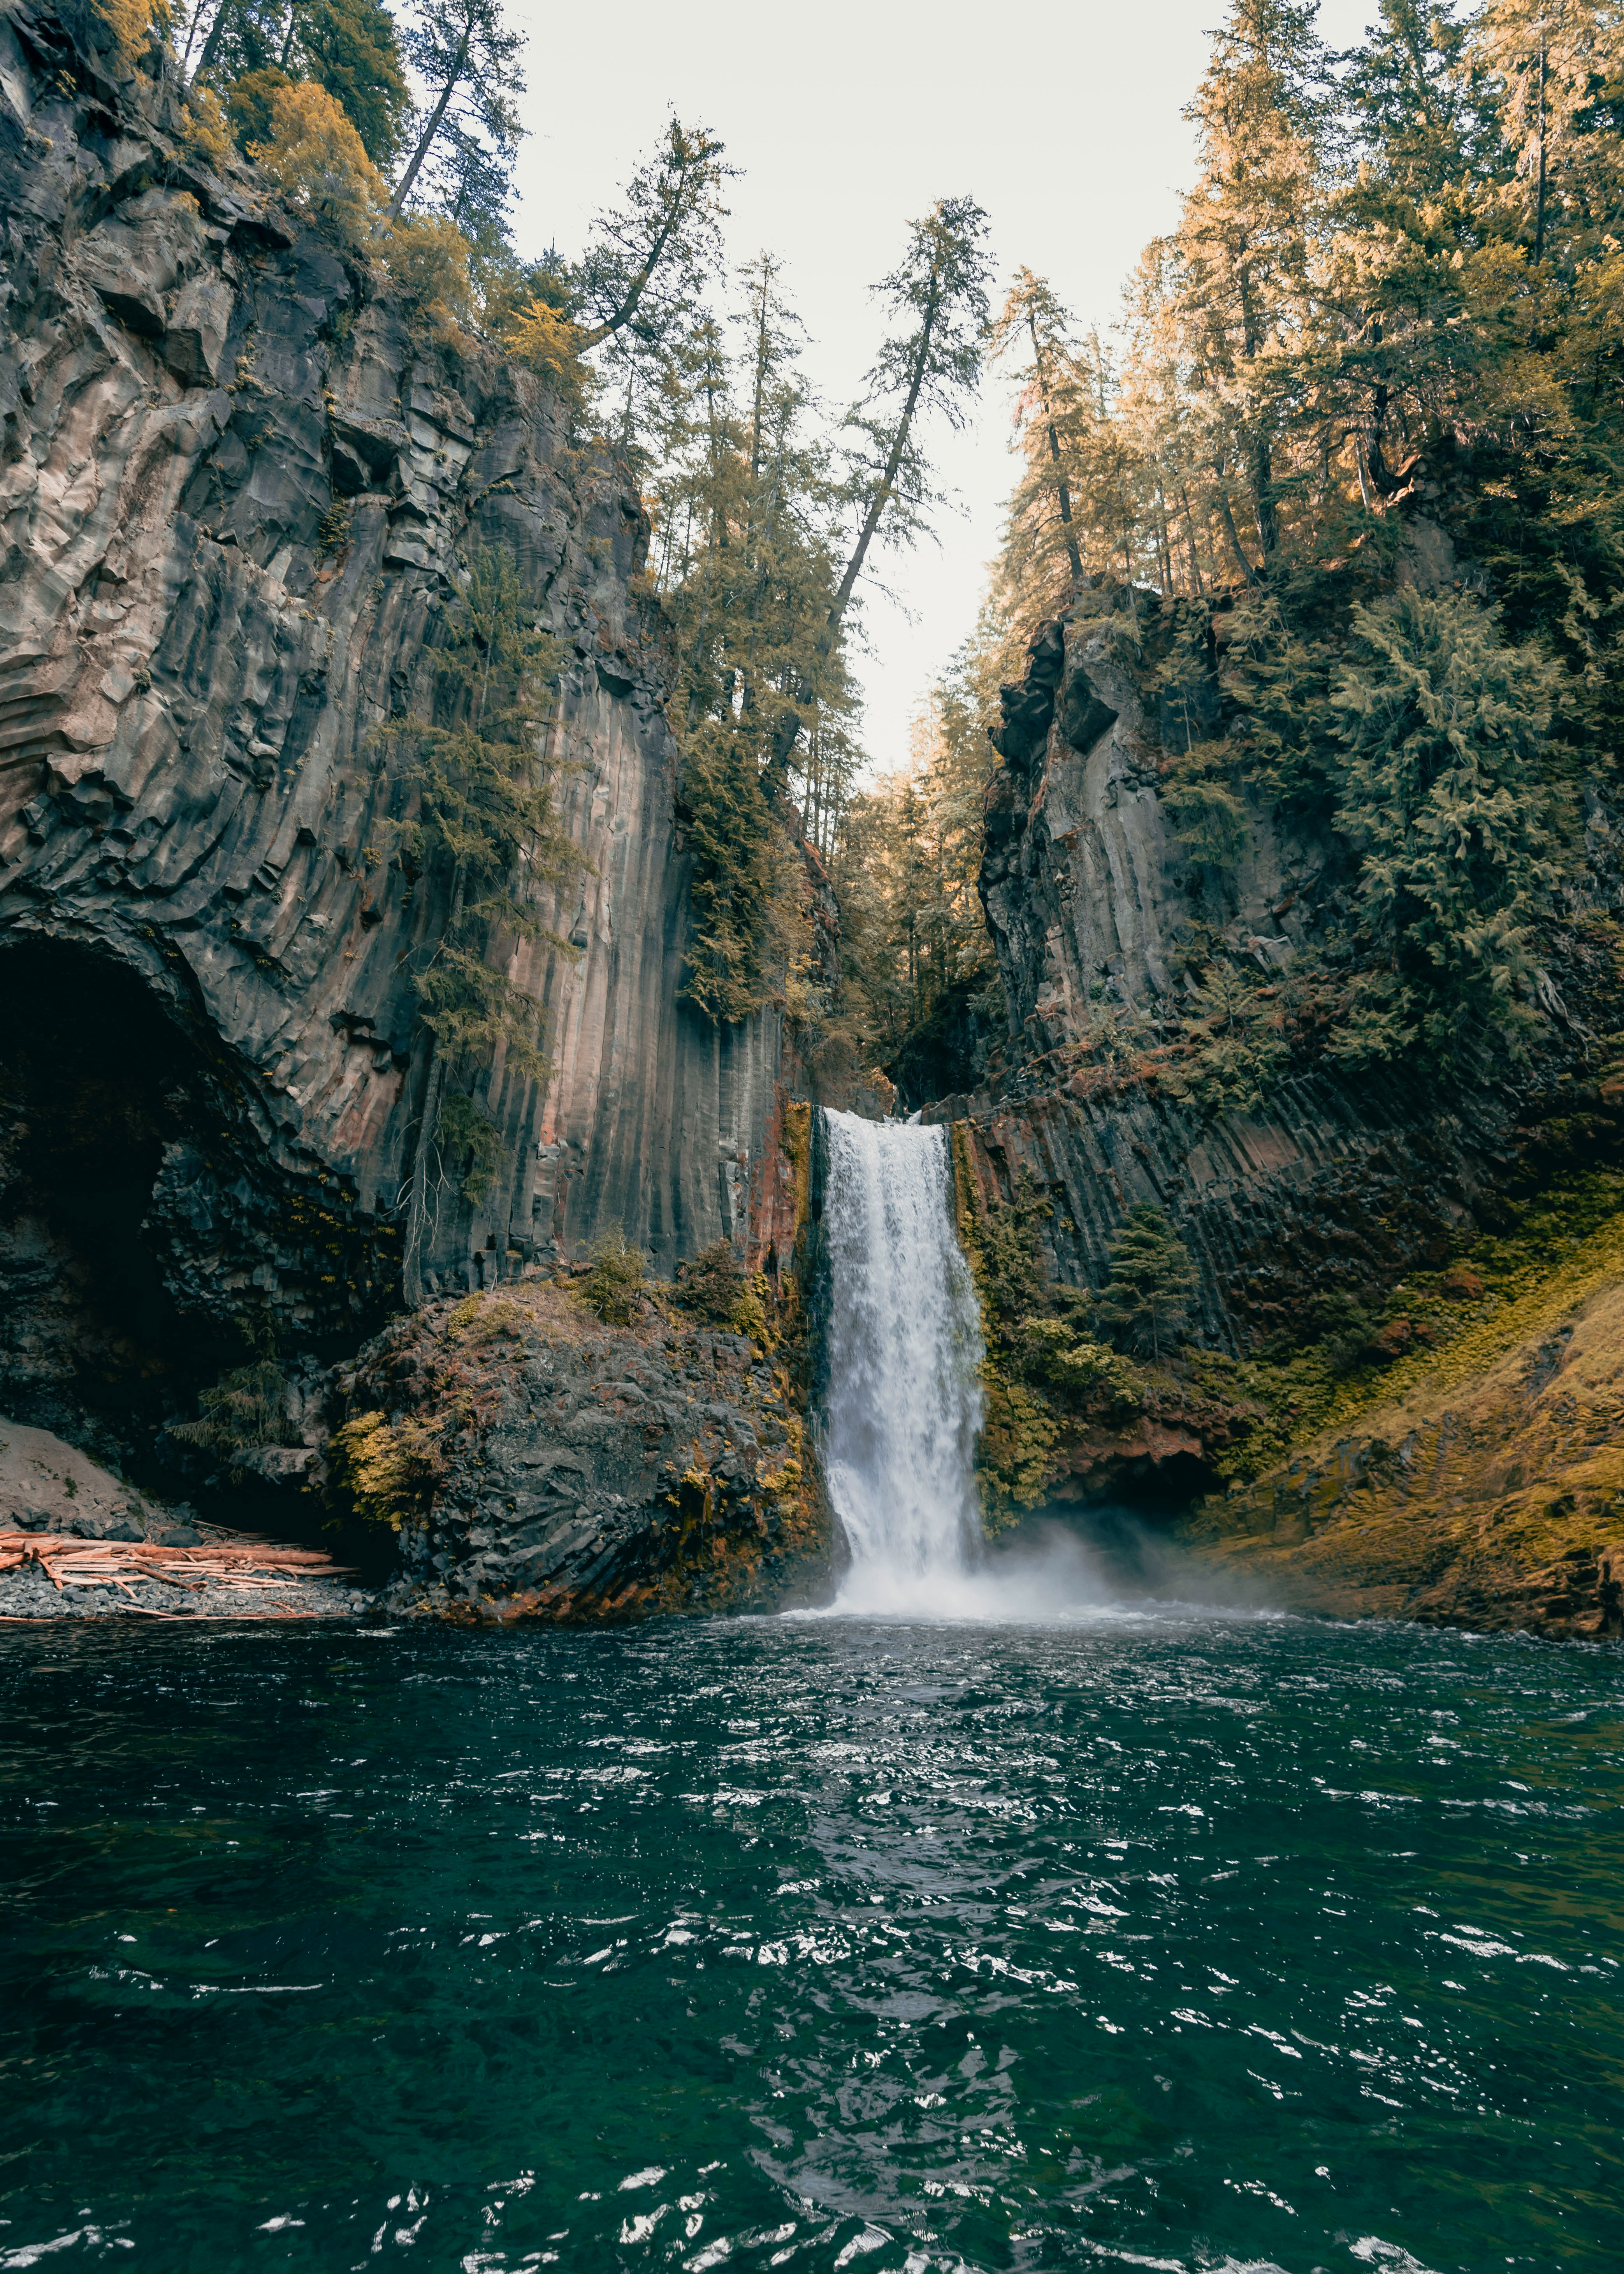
x=904 y=1400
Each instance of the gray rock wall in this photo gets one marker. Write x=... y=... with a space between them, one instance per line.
x=1088 y=893
x=1337 y=1184
x=239 y=485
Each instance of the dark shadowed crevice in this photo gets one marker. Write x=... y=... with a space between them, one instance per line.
x=96 y=1083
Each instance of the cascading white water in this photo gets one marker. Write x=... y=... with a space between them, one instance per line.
x=905 y=1350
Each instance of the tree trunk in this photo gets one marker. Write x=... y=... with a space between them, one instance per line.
x=217 y=33
x=418 y=1199
x=1263 y=490
x=1262 y=467
x=1072 y=554
x=1233 y=534
x=404 y=188
x=1540 y=205
x=1195 y=557
x=192 y=33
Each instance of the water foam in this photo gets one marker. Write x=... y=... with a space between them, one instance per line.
x=904 y=1354
x=902 y=1409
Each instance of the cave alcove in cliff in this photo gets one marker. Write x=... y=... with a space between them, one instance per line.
x=96 y=1080
x=1127 y=1529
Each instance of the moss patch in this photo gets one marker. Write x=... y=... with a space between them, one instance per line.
x=1479 y=1477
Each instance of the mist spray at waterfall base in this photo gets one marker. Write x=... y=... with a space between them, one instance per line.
x=903 y=1406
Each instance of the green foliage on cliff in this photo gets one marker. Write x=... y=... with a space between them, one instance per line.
x=385 y=1471
x=1145 y=1302
x=917 y=968
x=1013 y=1454
x=482 y=820
x=1437 y=1327
x=1043 y=1372
x=1355 y=451
x=614 y=1282
x=1449 y=793
x=713 y=1285
x=471 y=1146
x=480 y=827
x=346 y=48
x=1079 y=1373
x=247 y=1407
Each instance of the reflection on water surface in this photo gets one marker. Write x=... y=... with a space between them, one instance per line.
x=1148 y=1943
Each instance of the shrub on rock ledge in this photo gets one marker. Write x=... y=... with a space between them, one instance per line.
x=613 y=1286
x=316 y=159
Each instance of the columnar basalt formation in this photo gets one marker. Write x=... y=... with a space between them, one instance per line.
x=241 y=484
x=1334 y=1183
x=1488 y=1499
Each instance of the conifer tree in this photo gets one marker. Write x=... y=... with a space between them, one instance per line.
x=468 y=58
x=931 y=366
x=348 y=47
x=651 y=256
x=1419 y=116
x=745 y=506
x=639 y=293
x=906 y=863
x=243 y=35
x=1448 y=794
x=1557 y=70
x=1146 y=1300
x=1033 y=327
x=1241 y=293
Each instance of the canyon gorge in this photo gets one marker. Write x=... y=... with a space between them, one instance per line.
x=244 y=481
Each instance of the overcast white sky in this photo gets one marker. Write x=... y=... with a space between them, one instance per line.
x=1062 y=117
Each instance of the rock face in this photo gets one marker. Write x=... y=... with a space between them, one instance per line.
x=1338 y=1184
x=538 y=1463
x=240 y=484
x=1335 y=1186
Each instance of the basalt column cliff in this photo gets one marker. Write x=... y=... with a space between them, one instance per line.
x=1402 y=1330
x=240 y=484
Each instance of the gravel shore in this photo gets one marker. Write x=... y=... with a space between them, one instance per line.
x=54 y=1494
x=28 y=1594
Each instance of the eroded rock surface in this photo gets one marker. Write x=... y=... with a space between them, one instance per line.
x=240 y=484
x=540 y=1463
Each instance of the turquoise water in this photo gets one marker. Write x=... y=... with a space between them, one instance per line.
x=1172 y=1943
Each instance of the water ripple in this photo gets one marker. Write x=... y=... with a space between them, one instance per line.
x=813 y=1944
